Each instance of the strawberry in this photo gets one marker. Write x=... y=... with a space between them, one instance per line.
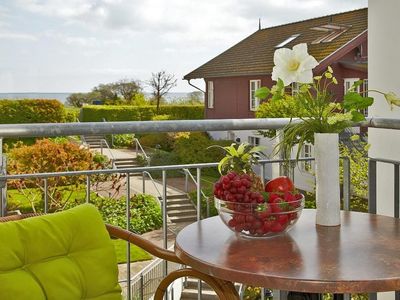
x=277 y=227
x=279 y=205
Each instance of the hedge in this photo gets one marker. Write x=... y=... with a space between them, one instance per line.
x=96 y=113
x=31 y=111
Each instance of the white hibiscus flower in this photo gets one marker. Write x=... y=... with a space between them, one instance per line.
x=293 y=65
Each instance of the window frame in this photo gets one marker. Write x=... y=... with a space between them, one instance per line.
x=254 y=101
x=307 y=151
x=210 y=94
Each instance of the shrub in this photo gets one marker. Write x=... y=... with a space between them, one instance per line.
x=123 y=140
x=96 y=113
x=193 y=149
x=287 y=107
x=163 y=141
x=209 y=193
x=31 y=111
x=46 y=156
x=161 y=118
x=71 y=114
x=145 y=212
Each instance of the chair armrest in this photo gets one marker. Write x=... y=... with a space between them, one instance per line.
x=137 y=240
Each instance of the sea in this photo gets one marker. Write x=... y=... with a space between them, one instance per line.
x=62 y=97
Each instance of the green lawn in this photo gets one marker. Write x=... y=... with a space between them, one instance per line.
x=137 y=254
x=24 y=199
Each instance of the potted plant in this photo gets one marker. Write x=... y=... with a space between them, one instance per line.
x=323 y=120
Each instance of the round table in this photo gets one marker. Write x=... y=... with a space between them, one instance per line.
x=362 y=255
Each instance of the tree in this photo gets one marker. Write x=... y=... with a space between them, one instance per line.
x=127 y=88
x=78 y=99
x=161 y=83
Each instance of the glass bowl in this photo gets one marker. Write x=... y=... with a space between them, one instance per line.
x=260 y=219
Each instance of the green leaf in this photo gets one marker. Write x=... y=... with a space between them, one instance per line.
x=357 y=116
x=222 y=163
x=353 y=100
x=257 y=149
x=263 y=92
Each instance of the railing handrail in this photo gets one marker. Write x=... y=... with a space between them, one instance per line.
x=154 y=184
x=109 y=150
x=136 y=169
x=65 y=129
x=139 y=145
x=187 y=171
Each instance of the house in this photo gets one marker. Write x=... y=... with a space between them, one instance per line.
x=338 y=40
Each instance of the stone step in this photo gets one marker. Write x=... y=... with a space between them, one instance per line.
x=126 y=164
x=188 y=294
x=182 y=213
x=180 y=206
x=125 y=159
x=177 y=197
x=177 y=202
x=183 y=219
x=191 y=283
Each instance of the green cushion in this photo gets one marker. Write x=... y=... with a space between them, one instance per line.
x=65 y=255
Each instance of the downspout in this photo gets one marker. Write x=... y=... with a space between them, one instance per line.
x=197 y=88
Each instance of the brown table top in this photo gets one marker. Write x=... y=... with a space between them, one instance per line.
x=361 y=255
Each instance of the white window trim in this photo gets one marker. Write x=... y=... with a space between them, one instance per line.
x=210 y=94
x=351 y=82
x=255 y=100
x=307 y=165
x=254 y=140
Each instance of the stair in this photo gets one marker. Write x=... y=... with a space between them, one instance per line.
x=95 y=141
x=180 y=209
x=190 y=290
x=126 y=163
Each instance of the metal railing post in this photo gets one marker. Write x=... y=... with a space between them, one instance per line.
x=396 y=190
x=87 y=189
x=164 y=216
x=143 y=182
x=46 y=195
x=141 y=287
x=186 y=181
x=372 y=186
x=128 y=245
x=198 y=192
x=346 y=183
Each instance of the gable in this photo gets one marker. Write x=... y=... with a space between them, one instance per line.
x=254 y=55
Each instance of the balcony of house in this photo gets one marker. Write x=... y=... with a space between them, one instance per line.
x=188 y=203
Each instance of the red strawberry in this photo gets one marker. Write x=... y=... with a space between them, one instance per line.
x=277 y=227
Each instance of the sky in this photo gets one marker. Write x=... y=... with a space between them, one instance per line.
x=74 y=45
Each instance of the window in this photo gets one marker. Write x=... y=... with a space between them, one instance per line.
x=254 y=101
x=332 y=32
x=364 y=93
x=348 y=83
x=288 y=40
x=254 y=141
x=210 y=94
x=307 y=153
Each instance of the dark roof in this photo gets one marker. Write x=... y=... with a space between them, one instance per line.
x=254 y=55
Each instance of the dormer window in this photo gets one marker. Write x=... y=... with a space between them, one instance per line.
x=288 y=40
x=332 y=32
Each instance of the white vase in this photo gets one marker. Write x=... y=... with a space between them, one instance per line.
x=326 y=152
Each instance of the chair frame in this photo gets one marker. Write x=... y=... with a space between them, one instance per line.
x=224 y=289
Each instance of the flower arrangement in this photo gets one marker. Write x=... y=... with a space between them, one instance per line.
x=319 y=111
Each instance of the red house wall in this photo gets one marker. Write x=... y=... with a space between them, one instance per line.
x=232 y=94
x=232 y=97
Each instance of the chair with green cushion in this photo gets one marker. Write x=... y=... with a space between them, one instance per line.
x=69 y=255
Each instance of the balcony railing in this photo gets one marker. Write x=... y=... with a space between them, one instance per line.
x=49 y=130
